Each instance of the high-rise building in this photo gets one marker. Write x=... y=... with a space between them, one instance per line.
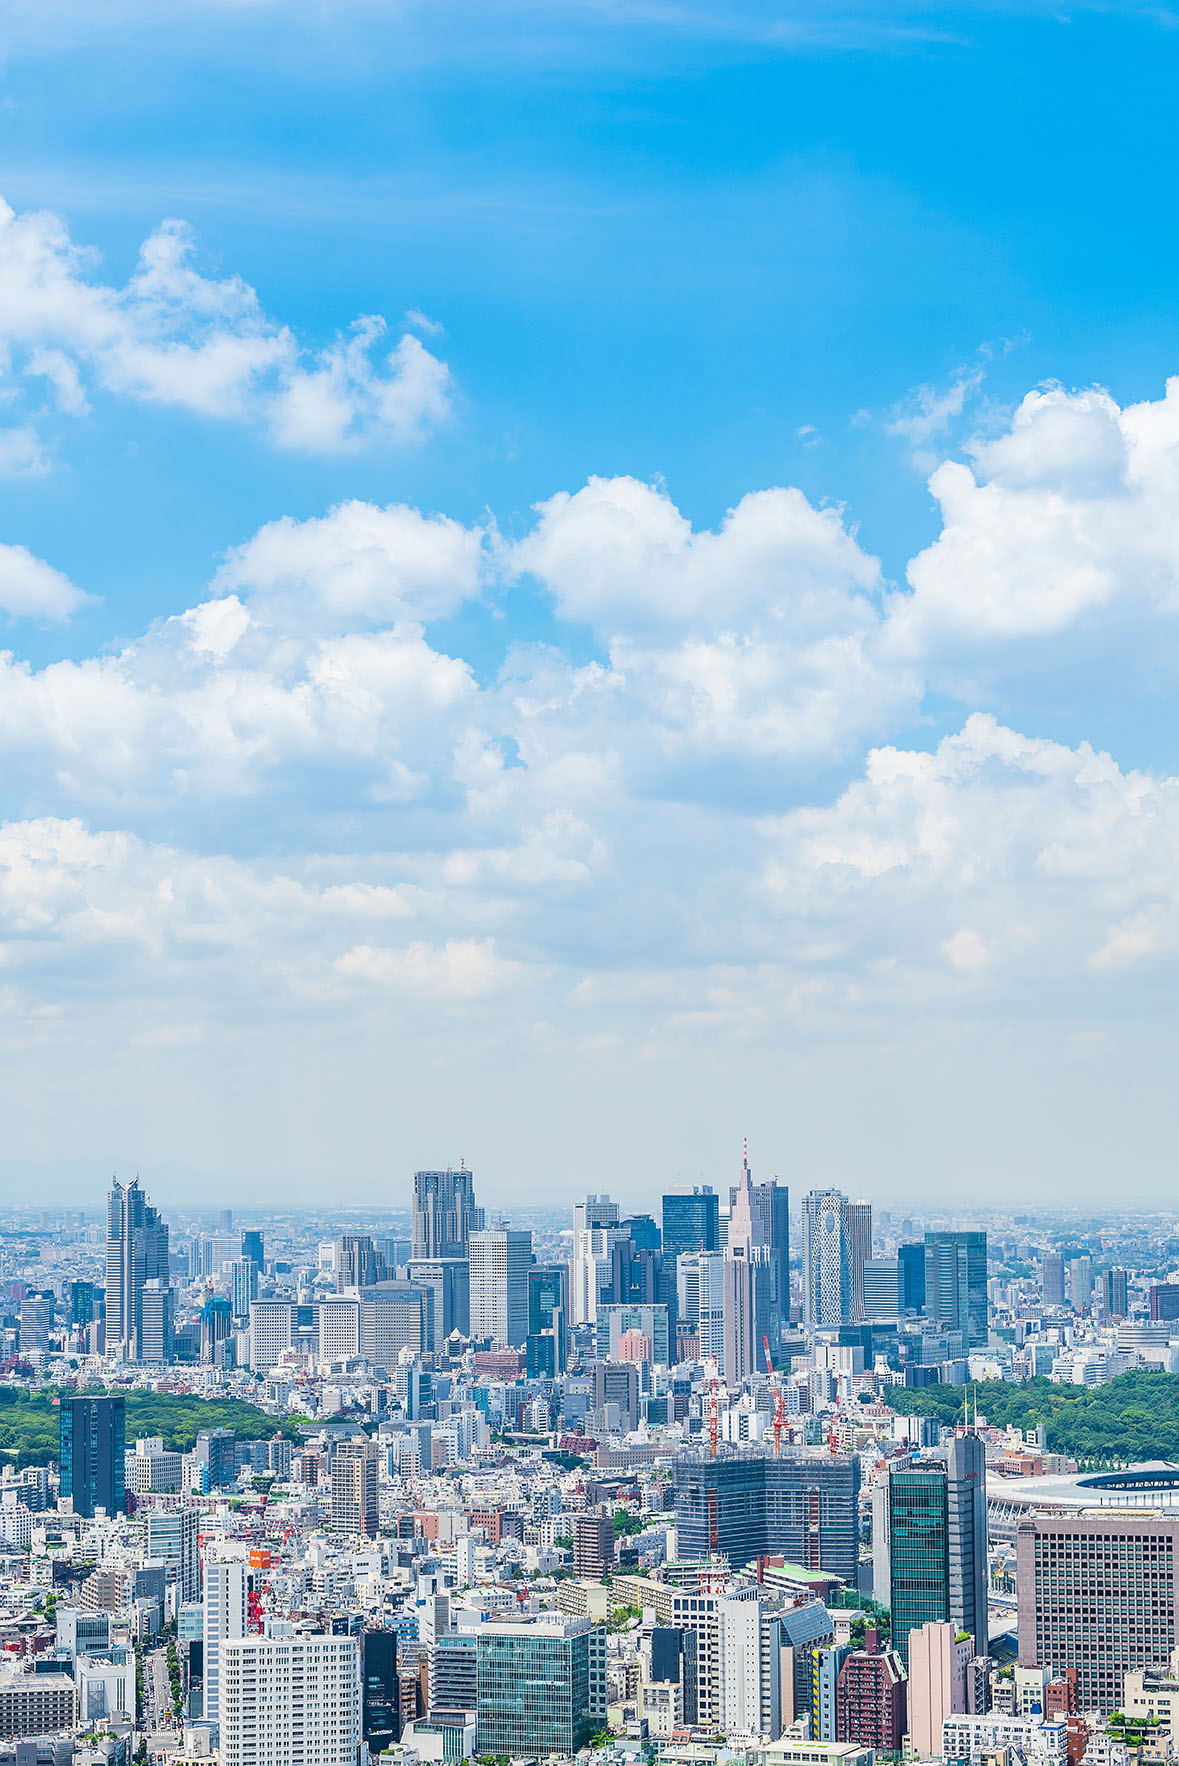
x=224 y=1620
x=81 y=1303
x=691 y=1221
x=1052 y=1278
x=937 y=1685
x=542 y=1686
x=882 y=1288
x=156 y=1314
x=859 y=1238
x=548 y=1319
x=956 y=1284
x=500 y=1259
x=380 y=1715
x=1113 y=1293
x=136 y=1252
x=216 y=1325
x=93 y=1442
x=36 y=1324
x=444 y=1212
x=912 y=1261
x=768 y=1205
x=593 y=1544
x=355 y=1509
x=288 y=1699
x=449 y=1282
x=937 y=1543
x=601 y=1255
x=358 y=1263
x=173 y=1539
x=746 y=1313
x=217 y=1448
x=1099 y=1595
x=272 y=1325
x=1080 y=1283
x=1164 y=1301
x=803 y=1505
x=828 y=1283
x=252 y=1248
x=243 y=1277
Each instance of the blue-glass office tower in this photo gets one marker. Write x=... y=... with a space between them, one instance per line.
x=912 y=1261
x=956 y=1284
x=691 y=1222
x=93 y=1440
x=542 y=1687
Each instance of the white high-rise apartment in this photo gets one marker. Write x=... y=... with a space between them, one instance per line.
x=173 y=1538
x=225 y=1622
x=500 y=1260
x=289 y=1700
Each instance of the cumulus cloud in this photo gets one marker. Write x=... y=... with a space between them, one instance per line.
x=32 y=589
x=174 y=336
x=1065 y=525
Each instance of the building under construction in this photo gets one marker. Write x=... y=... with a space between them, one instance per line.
x=802 y=1505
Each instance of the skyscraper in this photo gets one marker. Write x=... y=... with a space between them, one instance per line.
x=691 y=1221
x=252 y=1248
x=801 y=1504
x=1052 y=1278
x=136 y=1252
x=911 y=1258
x=358 y=1263
x=1113 y=1293
x=828 y=1285
x=859 y=1244
x=746 y=1313
x=956 y=1284
x=500 y=1259
x=93 y=1439
x=444 y=1212
x=172 y=1538
x=937 y=1543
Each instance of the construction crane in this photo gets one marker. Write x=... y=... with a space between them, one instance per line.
x=713 y=1416
x=779 y=1398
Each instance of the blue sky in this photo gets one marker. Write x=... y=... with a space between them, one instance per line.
x=486 y=824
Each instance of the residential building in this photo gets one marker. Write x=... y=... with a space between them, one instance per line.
x=870 y=1700
x=288 y=1699
x=978 y=1741
x=355 y=1508
x=224 y=1622
x=593 y=1544
x=937 y=1686
x=172 y=1538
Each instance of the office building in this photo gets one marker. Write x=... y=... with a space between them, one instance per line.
x=649 y=1321
x=1164 y=1302
x=750 y=1666
x=801 y=1504
x=1052 y=1279
x=828 y=1281
x=81 y=1303
x=172 y=1539
x=859 y=1238
x=768 y=1205
x=542 y=1686
x=444 y=1213
x=691 y=1221
x=252 y=1248
x=616 y=1394
x=956 y=1284
x=746 y=1276
x=36 y=1324
x=156 y=1317
x=600 y=1261
x=136 y=1252
x=93 y=1441
x=358 y=1263
x=985 y=1739
x=937 y=1544
x=500 y=1259
x=272 y=1325
x=1098 y=1594
x=883 y=1280
x=217 y=1448
x=448 y=1281
x=36 y=1705
x=288 y=1699
x=380 y=1707
x=216 y=1326
x=870 y=1700
x=1080 y=1283
x=355 y=1508
x=593 y=1544
x=224 y=1621
x=243 y=1275
x=911 y=1258
x=548 y=1319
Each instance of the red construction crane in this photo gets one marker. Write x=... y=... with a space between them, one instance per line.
x=779 y=1399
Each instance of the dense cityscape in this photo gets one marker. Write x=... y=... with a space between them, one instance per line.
x=713 y=1483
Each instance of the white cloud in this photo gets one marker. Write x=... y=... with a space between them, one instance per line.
x=461 y=969
x=173 y=336
x=32 y=589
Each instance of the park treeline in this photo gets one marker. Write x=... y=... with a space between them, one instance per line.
x=30 y=1422
x=1134 y=1417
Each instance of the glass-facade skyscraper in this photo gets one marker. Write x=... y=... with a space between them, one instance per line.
x=691 y=1222
x=93 y=1440
x=136 y=1253
x=956 y=1284
x=919 y=1553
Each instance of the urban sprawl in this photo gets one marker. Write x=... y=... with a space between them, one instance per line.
x=713 y=1483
